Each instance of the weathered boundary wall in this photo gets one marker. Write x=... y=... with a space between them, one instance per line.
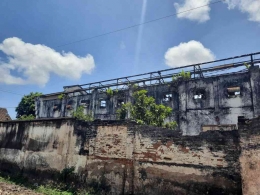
x=250 y=156
x=130 y=159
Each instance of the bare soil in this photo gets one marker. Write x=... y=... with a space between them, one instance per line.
x=11 y=189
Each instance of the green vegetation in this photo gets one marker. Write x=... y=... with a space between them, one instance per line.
x=110 y=92
x=122 y=112
x=61 y=96
x=65 y=173
x=171 y=125
x=144 y=110
x=182 y=75
x=47 y=190
x=26 y=107
x=116 y=91
x=79 y=115
x=29 y=117
x=247 y=65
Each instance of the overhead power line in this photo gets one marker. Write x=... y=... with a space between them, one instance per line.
x=135 y=25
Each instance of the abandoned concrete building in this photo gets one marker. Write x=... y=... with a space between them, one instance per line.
x=213 y=98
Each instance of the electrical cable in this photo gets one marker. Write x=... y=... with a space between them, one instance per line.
x=135 y=25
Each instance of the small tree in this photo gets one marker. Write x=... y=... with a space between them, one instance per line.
x=144 y=110
x=26 y=107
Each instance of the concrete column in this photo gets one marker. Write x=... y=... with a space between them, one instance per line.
x=255 y=87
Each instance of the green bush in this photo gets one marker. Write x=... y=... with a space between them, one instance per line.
x=171 y=125
x=27 y=117
x=79 y=115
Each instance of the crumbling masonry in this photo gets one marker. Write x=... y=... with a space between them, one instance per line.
x=213 y=98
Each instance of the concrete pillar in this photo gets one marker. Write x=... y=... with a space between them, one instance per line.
x=255 y=87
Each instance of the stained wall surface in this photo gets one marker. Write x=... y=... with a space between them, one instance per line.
x=131 y=159
x=250 y=156
x=216 y=107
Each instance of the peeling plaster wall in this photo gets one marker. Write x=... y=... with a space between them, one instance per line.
x=132 y=159
x=214 y=109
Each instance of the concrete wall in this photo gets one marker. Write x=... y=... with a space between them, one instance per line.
x=129 y=159
x=215 y=108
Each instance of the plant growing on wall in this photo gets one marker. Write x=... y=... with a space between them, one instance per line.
x=246 y=65
x=27 y=117
x=61 y=96
x=171 y=125
x=122 y=112
x=144 y=110
x=109 y=92
x=184 y=75
x=79 y=115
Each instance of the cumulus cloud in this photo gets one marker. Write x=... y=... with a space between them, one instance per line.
x=188 y=53
x=35 y=63
x=200 y=15
x=251 y=7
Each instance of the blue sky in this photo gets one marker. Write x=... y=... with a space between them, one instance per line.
x=32 y=32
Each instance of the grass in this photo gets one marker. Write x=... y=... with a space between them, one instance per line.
x=47 y=190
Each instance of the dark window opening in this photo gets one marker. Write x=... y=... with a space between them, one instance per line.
x=69 y=105
x=199 y=94
x=85 y=103
x=56 y=107
x=167 y=97
x=233 y=92
x=103 y=103
x=120 y=102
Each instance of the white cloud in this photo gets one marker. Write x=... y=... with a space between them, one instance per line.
x=201 y=14
x=34 y=63
x=188 y=53
x=251 y=7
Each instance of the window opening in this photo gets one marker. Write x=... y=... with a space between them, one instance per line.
x=69 y=104
x=199 y=94
x=120 y=102
x=233 y=92
x=56 y=107
x=167 y=97
x=103 y=103
x=85 y=103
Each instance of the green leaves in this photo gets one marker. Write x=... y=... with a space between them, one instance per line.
x=26 y=107
x=79 y=115
x=182 y=74
x=144 y=110
x=110 y=92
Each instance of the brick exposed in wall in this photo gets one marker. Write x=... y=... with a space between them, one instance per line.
x=130 y=159
x=249 y=132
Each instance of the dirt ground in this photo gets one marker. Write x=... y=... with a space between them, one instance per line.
x=8 y=189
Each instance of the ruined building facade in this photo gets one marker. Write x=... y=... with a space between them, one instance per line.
x=213 y=98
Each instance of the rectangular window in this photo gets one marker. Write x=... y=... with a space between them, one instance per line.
x=233 y=92
x=167 y=97
x=199 y=94
x=198 y=97
x=85 y=103
x=103 y=103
